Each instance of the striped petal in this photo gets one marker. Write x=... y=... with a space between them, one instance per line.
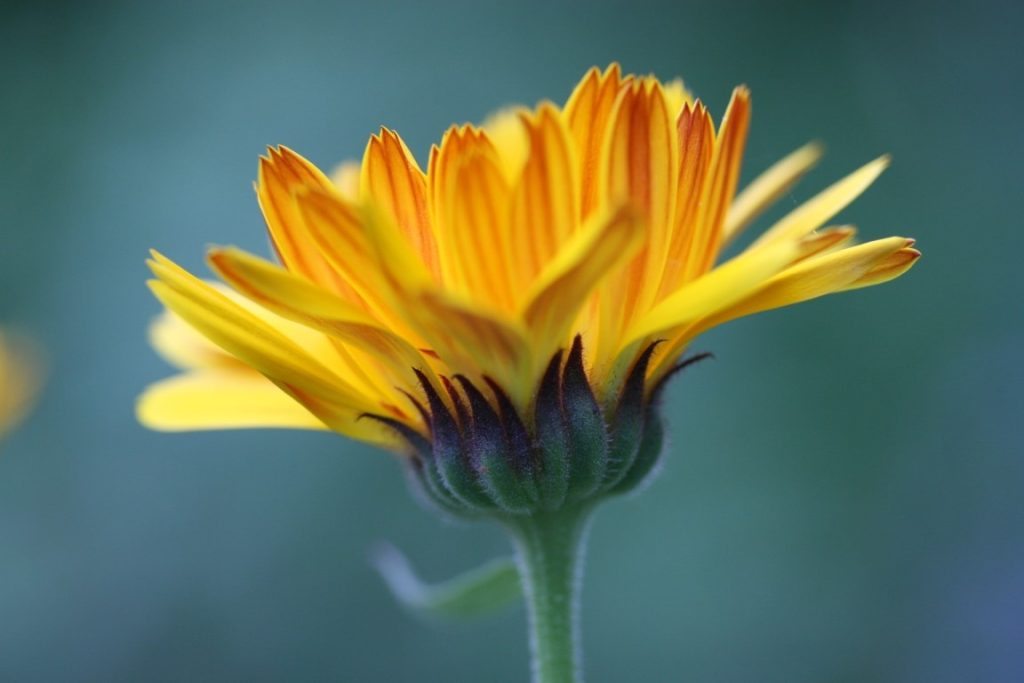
x=545 y=202
x=696 y=133
x=365 y=246
x=587 y=114
x=719 y=187
x=561 y=290
x=476 y=223
x=640 y=163
x=282 y=173
x=394 y=180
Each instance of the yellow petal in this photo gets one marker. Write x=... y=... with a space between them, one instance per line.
x=717 y=289
x=888 y=268
x=180 y=345
x=247 y=337
x=221 y=400
x=505 y=130
x=768 y=187
x=820 y=275
x=677 y=96
x=299 y=300
x=345 y=177
x=562 y=288
x=824 y=205
x=394 y=180
x=21 y=375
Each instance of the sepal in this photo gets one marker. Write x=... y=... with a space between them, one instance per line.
x=481 y=458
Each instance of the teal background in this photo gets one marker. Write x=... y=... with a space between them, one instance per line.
x=843 y=496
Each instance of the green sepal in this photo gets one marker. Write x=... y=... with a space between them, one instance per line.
x=454 y=468
x=423 y=469
x=588 y=437
x=478 y=592
x=552 y=437
x=648 y=455
x=627 y=421
x=498 y=473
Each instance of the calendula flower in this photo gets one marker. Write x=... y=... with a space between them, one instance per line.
x=506 y=318
x=19 y=380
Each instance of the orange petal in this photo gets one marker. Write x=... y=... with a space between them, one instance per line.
x=476 y=224
x=696 y=133
x=640 y=163
x=393 y=178
x=459 y=144
x=719 y=187
x=587 y=113
x=282 y=173
x=545 y=202
x=364 y=247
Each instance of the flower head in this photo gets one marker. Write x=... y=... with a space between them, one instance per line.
x=19 y=380
x=555 y=259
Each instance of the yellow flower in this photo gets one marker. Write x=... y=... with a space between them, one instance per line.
x=604 y=218
x=19 y=381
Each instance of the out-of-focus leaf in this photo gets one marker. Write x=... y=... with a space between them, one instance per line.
x=478 y=592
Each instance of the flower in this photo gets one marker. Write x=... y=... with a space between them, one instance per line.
x=19 y=380
x=515 y=305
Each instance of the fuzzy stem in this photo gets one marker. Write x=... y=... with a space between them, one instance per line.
x=550 y=549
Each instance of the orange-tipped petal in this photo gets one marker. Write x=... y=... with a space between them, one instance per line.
x=587 y=114
x=696 y=133
x=545 y=202
x=719 y=187
x=640 y=164
x=394 y=180
x=283 y=173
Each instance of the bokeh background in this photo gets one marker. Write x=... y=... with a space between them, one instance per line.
x=843 y=497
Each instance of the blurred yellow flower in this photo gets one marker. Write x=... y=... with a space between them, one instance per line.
x=604 y=218
x=20 y=377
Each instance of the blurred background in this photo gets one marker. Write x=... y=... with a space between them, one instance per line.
x=843 y=496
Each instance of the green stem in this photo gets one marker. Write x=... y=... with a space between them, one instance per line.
x=550 y=553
